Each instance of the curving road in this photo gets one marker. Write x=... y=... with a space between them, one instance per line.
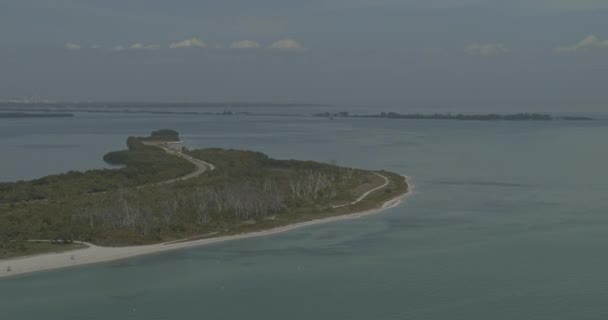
x=363 y=196
x=201 y=166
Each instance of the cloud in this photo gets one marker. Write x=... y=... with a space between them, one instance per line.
x=591 y=42
x=487 y=49
x=72 y=46
x=188 y=43
x=245 y=44
x=286 y=44
x=140 y=46
x=119 y=48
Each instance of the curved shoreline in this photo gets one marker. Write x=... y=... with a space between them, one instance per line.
x=95 y=254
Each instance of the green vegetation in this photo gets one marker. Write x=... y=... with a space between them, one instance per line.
x=162 y=135
x=247 y=191
x=142 y=164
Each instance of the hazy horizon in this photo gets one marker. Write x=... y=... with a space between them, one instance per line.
x=482 y=54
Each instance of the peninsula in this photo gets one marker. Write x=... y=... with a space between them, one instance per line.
x=165 y=197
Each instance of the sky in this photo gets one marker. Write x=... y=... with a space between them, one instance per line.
x=495 y=54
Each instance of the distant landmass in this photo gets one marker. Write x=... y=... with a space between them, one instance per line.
x=48 y=110
x=459 y=116
x=35 y=115
x=131 y=110
x=119 y=105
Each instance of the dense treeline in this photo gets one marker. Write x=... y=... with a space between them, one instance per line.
x=459 y=116
x=162 y=135
x=142 y=164
x=246 y=191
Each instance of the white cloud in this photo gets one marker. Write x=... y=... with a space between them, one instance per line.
x=286 y=44
x=139 y=46
x=245 y=44
x=591 y=42
x=72 y=46
x=189 y=43
x=487 y=49
x=119 y=48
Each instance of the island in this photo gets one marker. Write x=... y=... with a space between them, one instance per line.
x=459 y=116
x=35 y=115
x=164 y=196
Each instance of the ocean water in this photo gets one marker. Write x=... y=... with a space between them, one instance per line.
x=509 y=221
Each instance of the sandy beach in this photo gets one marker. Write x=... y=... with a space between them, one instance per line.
x=95 y=254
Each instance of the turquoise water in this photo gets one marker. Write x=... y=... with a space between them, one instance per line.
x=509 y=221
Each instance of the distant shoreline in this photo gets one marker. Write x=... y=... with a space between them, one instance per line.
x=95 y=254
x=25 y=115
x=67 y=110
x=459 y=116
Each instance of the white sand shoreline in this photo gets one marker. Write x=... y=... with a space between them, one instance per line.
x=95 y=254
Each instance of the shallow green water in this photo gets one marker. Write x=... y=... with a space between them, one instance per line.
x=510 y=221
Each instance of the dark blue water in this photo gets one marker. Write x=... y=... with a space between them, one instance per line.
x=510 y=221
